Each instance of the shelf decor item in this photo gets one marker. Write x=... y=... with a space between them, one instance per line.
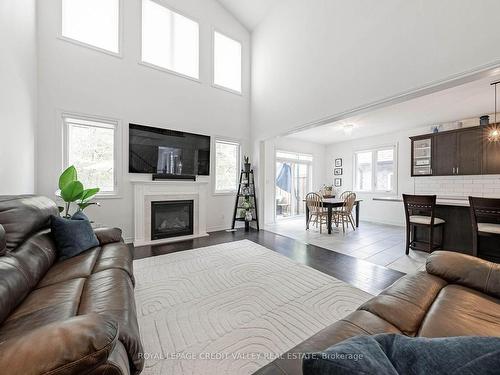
x=246 y=164
x=338 y=162
x=337 y=171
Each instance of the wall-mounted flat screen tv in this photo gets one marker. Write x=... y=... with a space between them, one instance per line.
x=156 y=150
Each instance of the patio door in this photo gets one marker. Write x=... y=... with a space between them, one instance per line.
x=293 y=182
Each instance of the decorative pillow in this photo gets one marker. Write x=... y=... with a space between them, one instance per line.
x=79 y=215
x=392 y=354
x=72 y=236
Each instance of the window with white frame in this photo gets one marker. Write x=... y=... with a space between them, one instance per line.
x=169 y=39
x=93 y=22
x=227 y=62
x=227 y=166
x=90 y=145
x=375 y=170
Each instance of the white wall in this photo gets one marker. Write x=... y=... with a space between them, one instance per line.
x=318 y=152
x=77 y=79
x=315 y=59
x=17 y=96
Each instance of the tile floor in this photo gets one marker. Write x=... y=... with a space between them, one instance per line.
x=377 y=243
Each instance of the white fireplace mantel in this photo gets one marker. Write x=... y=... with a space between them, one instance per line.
x=146 y=192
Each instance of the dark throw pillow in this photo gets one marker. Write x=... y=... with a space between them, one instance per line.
x=392 y=354
x=72 y=237
x=79 y=215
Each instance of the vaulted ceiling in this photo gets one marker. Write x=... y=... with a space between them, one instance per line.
x=248 y=12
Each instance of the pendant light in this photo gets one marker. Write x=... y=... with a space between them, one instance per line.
x=494 y=132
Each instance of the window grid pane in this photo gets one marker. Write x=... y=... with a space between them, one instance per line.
x=227 y=157
x=364 y=171
x=385 y=170
x=169 y=40
x=94 y=22
x=91 y=150
x=227 y=62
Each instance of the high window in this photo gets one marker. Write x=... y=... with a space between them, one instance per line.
x=227 y=62
x=91 y=146
x=227 y=166
x=375 y=170
x=169 y=40
x=92 y=22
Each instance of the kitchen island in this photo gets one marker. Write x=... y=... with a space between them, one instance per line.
x=458 y=228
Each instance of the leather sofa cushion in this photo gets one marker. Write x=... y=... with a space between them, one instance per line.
x=14 y=286
x=117 y=363
x=77 y=345
x=3 y=242
x=108 y=235
x=80 y=266
x=460 y=311
x=115 y=255
x=36 y=256
x=465 y=270
x=405 y=303
x=24 y=215
x=111 y=293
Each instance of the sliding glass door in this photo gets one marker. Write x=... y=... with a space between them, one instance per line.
x=293 y=182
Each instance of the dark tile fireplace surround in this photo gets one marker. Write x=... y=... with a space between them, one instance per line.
x=171 y=219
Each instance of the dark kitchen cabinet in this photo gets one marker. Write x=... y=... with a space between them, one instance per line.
x=461 y=152
x=469 y=152
x=445 y=154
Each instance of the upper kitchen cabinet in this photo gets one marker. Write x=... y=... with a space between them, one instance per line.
x=445 y=154
x=421 y=154
x=455 y=152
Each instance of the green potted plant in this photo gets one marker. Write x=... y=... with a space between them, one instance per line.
x=246 y=164
x=71 y=190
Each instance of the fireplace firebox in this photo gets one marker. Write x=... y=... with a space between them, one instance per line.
x=171 y=219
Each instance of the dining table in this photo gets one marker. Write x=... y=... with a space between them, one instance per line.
x=330 y=204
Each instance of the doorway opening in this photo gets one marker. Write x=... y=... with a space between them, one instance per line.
x=293 y=182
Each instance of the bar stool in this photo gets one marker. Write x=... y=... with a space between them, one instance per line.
x=485 y=218
x=419 y=212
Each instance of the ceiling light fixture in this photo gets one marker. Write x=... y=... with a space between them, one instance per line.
x=348 y=129
x=494 y=132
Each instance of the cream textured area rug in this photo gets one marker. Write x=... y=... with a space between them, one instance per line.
x=231 y=308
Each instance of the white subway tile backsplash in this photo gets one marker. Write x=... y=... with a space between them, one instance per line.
x=487 y=185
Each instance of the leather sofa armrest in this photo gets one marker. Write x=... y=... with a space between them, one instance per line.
x=466 y=270
x=74 y=346
x=108 y=235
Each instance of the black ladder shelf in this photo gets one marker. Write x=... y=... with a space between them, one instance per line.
x=246 y=193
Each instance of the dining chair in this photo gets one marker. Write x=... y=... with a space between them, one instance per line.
x=420 y=212
x=314 y=204
x=344 y=213
x=485 y=218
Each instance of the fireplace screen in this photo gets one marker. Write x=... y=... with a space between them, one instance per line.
x=171 y=219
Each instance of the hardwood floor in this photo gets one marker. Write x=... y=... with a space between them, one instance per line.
x=364 y=275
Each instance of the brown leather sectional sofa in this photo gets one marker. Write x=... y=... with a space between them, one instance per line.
x=70 y=317
x=459 y=295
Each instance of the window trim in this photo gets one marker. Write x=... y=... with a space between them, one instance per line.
x=214 y=163
x=212 y=79
x=162 y=68
x=374 y=150
x=117 y=149
x=79 y=43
